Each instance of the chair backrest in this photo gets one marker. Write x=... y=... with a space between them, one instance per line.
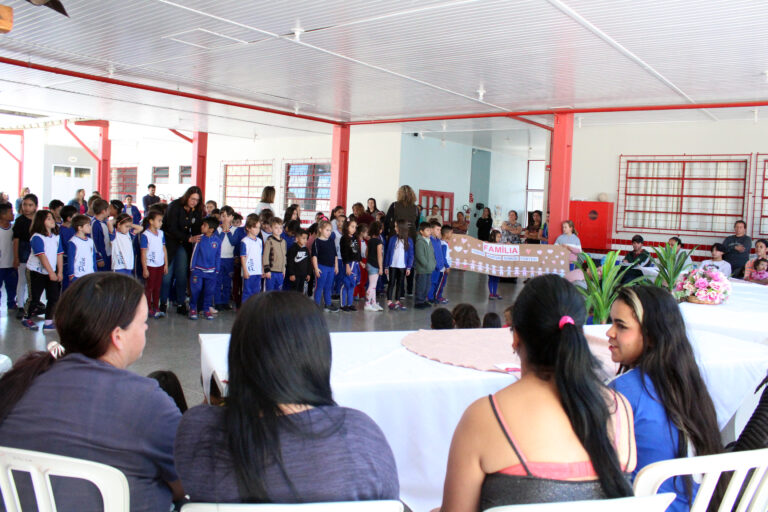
x=653 y=503
x=111 y=482
x=346 y=506
x=749 y=467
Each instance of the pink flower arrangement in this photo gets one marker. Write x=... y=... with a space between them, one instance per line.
x=707 y=285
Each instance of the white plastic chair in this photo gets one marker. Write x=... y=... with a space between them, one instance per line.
x=653 y=503
x=753 y=499
x=346 y=506
x=111 y=482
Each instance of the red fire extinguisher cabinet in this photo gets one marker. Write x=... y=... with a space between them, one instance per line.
x=594 y=223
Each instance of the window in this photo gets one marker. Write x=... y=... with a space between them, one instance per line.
x=699 y=194
x=443 y=200
x=185 y=174
x=308 y=185
x=761 y=196
x=66 y=171
x=160 y=175
x=243 y=183
x=534 y=193
x=122 y=183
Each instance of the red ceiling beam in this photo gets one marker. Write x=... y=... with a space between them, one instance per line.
x=176 y=132
x=104 y=157
x=161 y=90
x=534 y=123
x=20 y=158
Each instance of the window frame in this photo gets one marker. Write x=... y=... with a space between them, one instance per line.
x=242 y=203
x=184 y=174
x=156 y=178
x=621 y=210
x=117 y=187
x=302 y=202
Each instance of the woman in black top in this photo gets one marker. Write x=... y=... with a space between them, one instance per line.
x=405 y=209
x=181 y=226
x=484 y=225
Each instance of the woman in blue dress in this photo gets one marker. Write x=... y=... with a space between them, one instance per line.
x=673 y=413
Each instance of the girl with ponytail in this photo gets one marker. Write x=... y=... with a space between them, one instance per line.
x=661 y=380
x=558 y=433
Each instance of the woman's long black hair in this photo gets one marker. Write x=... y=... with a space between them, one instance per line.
x=86 y=315
x=279 y=353
x=564 y=354
x=667 y=359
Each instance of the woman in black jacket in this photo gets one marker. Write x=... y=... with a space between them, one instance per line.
x=484 y=225
x=181 y=226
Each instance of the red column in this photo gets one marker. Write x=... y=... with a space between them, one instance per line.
x=199 y=159
x=19 y=159
x=104 y=156
x=560 y=173
x=339 y=166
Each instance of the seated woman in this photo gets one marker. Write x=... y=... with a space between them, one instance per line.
x=558 y=433
x=674 y=414
x=761 y=251
x=87 y=405
x=570 y=240
x=280 y=437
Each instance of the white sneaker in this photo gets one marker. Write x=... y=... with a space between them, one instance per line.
x=370 y=307
x=378 y=307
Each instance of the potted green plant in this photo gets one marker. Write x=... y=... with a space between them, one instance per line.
x=603 y=285
x=671 y=262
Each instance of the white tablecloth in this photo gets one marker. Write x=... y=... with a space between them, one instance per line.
x=744 y=315
x=418 y=402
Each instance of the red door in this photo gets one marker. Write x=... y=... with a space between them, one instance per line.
x=443 y=200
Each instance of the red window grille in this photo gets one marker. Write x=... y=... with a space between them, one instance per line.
x=308 y=184
x=761 y=195
x=443 y=200
x=696 y=194
x=244 y=182
x=185 y=174
x=160 y=175
x=122 y=182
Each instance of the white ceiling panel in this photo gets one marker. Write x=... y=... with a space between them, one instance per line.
x=366 y=59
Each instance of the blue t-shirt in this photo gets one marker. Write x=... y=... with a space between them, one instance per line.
x=655 y=435
x=325 y=251
x=329 y=454
x=88 y=409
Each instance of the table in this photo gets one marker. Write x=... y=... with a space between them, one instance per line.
x=744 y=315
x=418 y=402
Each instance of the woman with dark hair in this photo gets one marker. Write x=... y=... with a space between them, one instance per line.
x=534 y=232
x=674 y=414
x=484 y=225
x=461 y=224
x=558 y=433
x=291 y=213
x=280 y=437
x=87 y=405
x=181 y=225
x=372 y=209
x=79 y=201
x=404 y=209
x=361 y=215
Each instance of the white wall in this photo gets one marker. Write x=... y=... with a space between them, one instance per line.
x=430 y=164
x=596 y=152
x=508 y=181
x=374 y=164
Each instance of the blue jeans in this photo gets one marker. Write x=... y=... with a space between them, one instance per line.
x=493 y=285
x=275 y=282
x=224 y=281
x=323 y=286
x=178 y=268
x=348 y=284
x=10 y=278
x=421 y=290
x=251 y=286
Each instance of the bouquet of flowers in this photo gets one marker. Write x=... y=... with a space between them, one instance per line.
x=703 y=285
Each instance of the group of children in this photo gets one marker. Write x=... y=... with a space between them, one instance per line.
x=232 y=260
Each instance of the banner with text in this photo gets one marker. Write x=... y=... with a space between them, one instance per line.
x=507 y=260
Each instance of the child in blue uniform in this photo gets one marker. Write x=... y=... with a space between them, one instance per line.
x=100 y=235
x=230 y=243
x=81 y=253
x=204 y=268
x=121 y=237
x=438 y=275
x=45 y=268
x=325 y=265
x=251 y=251
x=132 y=210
